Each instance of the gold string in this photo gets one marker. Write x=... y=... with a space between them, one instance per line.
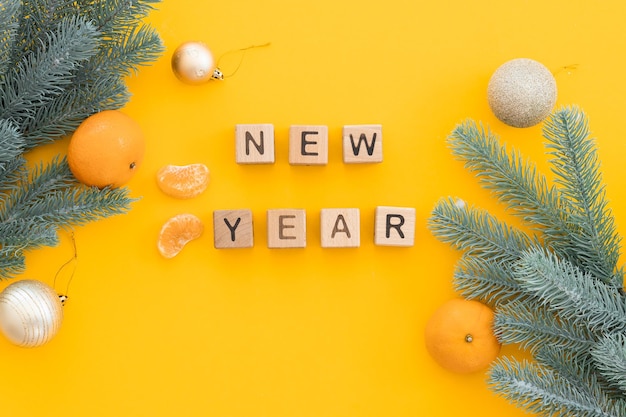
x=73 y=260
x=243 y=53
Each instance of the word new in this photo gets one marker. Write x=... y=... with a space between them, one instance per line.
x=308 y=144
x=339 y=228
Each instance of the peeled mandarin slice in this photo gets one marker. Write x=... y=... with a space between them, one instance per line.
x=183 y=181
x=177 y=232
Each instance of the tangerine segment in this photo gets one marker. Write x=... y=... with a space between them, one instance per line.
x=183 y=181
x=177 y=232
x=459 y=336
x=106 y=149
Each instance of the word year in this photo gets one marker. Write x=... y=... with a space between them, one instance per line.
x=339 y=228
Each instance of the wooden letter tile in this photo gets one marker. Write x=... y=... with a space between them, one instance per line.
x=233 y=229
x=308 y=145
x=286 y=228
x=362 y=144
x=340 y=228
x=254 y=144
x=395 y=226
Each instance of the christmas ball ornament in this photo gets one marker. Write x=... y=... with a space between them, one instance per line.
x=522 y=92
x=193 y=63
x=30 y=313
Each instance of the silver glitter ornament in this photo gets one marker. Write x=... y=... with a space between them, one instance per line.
x=30 y=313
x=522 y=92
x=193 y=63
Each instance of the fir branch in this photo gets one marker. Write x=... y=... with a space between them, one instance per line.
x=575 y=163
x=63 y=115
x=542 y=390
x=517 y=183
x=114 y=16
x=11 y=175
x=11 y=142
x=44 y=179
x=609 y=356
x=38 y=18
x=22 y=234
x=125 y=52
x=12 y=262
x=9 y=22
x=580 y=371
x=78 y=206
x=533 y=326
x=513 y=180
x=477 y=232
x=486 y=280
x=53 y=195
x=60 y=62
x=571 y=292
x=45 y=73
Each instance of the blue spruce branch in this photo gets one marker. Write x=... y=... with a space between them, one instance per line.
x=9 y=23
x=609 y=356
x=572 y=293
x=12 y=262
x=11 y=142
x=575 y=163
x=533 y=326
x=486 y=280
x=64 y=114
x=45 y=73
x=42 y=181
x=52 y=195
x=558 y=293
x=543 y=391
x=477 y=233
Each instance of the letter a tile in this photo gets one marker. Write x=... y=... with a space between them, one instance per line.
x=233 y=229
x=395 y=226
x=254 y=144
x=340 y=228
x=362 y=144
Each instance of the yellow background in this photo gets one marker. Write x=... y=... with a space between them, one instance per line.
x=304 y=332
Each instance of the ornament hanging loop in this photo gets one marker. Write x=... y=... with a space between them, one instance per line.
x=64 y=297
x=242 y=51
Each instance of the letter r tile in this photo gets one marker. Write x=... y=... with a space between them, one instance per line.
x=395 y=226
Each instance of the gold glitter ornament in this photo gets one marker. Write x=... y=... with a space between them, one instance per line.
x=193 y=63
x=522 y=92
x=30 y=313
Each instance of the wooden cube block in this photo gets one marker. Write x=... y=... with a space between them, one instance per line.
x=308 y=145
x=395 y=226
x=340 y=228
x=362 y=144
x=286 y=228
x=233 y=229
x=254 y=144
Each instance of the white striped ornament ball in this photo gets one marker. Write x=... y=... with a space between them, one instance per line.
x=30 y=313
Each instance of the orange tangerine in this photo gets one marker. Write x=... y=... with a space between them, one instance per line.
x=106 y=149
x=459 y=336
x=183 y=181
x=177 y=232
